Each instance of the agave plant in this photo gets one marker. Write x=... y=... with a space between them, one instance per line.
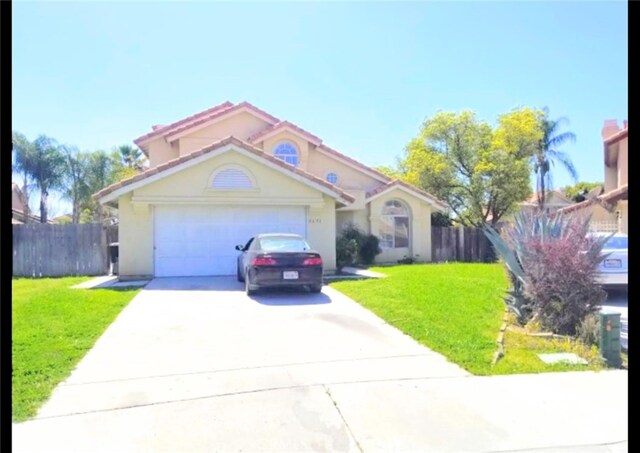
x=524 y=246
x=515 y=299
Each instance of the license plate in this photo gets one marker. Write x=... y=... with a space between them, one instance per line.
x=290 y=275
x=612 y=263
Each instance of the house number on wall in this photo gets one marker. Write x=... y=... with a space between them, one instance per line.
x=315 y=220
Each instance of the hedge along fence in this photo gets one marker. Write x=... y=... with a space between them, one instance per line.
x=465 y=244
x=46 y=250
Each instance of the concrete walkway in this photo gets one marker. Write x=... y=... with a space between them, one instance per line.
x=193 y=364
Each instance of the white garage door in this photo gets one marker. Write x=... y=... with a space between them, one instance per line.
x=201 y=240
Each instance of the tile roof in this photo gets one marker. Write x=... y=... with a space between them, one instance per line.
x=201 y=118
x=211 y=148
x=283 y=125
x=617 y=136
x=208 y=118
x=397 y=182
x=621 y=193
x=354 y=162
x=163 y=130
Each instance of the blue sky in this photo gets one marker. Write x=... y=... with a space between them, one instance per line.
x=362 y=76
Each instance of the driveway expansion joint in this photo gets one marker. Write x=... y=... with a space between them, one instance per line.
x=344 y=420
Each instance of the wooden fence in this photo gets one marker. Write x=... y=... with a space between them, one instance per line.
x=459 y=244
x=44 y=250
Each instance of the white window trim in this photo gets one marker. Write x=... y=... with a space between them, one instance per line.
x=393 y=217
x=293 y=145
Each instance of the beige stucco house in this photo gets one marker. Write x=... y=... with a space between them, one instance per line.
x=554 y=200
x=610 y=210
x=225 y=174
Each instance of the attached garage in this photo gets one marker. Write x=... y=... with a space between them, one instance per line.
x=200 y=240
x=185 y=217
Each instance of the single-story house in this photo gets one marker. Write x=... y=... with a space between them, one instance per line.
x=219 y=177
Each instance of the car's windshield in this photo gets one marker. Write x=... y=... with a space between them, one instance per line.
x=617 y=242
x=283 y=244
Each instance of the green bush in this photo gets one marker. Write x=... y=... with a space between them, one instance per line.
x=353 y=246
x=589 y=330
x=369 y=248
x=346 y=252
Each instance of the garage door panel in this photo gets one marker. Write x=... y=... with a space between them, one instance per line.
x=201 y=240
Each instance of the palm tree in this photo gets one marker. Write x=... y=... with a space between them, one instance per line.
x=47 y=170
x=23 y=162
x=102 y=170
x=76 y=188
x=547 y=154
x=131 y=157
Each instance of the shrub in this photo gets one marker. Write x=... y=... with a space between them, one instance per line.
x=552 y=263
x=369 y=248
x=346 y=252
x=438 y=219
x=589 y=330
x=353 y=246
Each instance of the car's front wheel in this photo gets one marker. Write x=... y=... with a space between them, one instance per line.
x=239 y=274
x=248 y=287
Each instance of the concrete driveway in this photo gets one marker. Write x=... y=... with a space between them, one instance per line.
x=193 y=364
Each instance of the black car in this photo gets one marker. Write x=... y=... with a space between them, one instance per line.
x=279 y=260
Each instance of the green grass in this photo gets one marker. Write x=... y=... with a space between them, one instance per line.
x=53 y=328
x=456 y=309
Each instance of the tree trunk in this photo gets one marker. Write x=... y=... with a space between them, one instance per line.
x=75 y=214
x=43 y=206
x=541 y=193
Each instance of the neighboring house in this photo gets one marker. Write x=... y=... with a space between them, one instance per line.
x=610 y=210
x=18 y=204
x=554 y=200
x=225 y=174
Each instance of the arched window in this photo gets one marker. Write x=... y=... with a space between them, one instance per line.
x=332 y=177
x=394 y=225
x=287 y=152
x=231 y=179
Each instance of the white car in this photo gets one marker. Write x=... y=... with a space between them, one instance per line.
x=614 y=270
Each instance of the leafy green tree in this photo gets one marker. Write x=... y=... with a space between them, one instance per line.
x=389 y=171
x=102 y=170
x=578 y=191
x=479 y=171
x=547 y=154
x=76 y=188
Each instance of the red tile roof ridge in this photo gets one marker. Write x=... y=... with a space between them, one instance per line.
x=212 y=147
x=165 y=129
x=282 y=124
x=399 y=182
x=353 y=161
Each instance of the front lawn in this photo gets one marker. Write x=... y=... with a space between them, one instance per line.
x=53 y=328
x=456 y=309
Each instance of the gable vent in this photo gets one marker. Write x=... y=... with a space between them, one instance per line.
x=232 y=179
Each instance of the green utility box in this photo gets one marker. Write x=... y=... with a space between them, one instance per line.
x=610 y=338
